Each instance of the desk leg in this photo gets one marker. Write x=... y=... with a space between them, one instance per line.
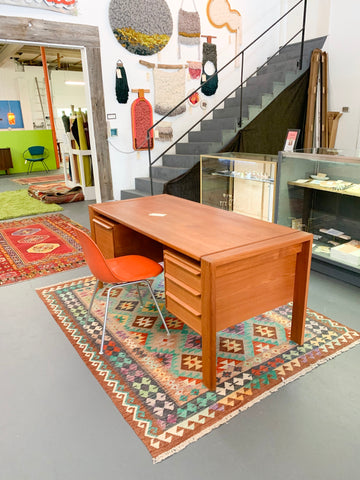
x=302 y=274
x=208 y=326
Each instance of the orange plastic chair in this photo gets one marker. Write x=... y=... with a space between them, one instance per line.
x=120 y=271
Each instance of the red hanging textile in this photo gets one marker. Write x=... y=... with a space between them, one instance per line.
x=141 y=121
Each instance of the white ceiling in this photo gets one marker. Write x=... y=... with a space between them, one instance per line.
x=30 y=55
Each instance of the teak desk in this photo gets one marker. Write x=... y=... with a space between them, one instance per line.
x=220 y=268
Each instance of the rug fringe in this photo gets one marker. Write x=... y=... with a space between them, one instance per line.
x=226 y=419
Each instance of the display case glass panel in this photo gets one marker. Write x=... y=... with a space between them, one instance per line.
x=242 y=183
x=320 y=194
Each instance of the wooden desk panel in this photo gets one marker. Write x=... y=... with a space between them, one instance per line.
x=231 y=266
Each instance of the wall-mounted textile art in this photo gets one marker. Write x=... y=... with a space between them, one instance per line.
x=121 y=83
x=60 y=6
x=194 y=69
x=169 y=91
x=188 y=27
x=141 y=121
x=143 y=27
x=221 y=15
x=164 y=132
x=209 y=63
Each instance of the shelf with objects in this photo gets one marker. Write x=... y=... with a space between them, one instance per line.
x=240 y=182
x=78 y=155
x=319 y=192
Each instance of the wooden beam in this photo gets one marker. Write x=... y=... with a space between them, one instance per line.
x=161 y=65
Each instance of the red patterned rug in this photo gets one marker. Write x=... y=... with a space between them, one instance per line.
x=41 y=179
x=154 y=380
x=38 y=246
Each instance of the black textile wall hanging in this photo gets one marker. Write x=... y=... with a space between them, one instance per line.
x=121 y=83
x=209 y=68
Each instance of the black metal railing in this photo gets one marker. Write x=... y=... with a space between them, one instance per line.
x=240 y=86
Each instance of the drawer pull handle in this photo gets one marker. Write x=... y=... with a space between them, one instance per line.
x=183 y=285
x=183 y=265
x=183 y=304
x=102 y=224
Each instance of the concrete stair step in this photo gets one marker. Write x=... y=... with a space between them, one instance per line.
x=126 y=194
x=211 y=135
x=285 y=65
x=218 y=123
x=229 y=112
x=180 y=161
x=143 y=184
x=267 y=98
x=254 y=111
x=264 y=82
x=167 y=173
x=198 y=147
x=309 y=45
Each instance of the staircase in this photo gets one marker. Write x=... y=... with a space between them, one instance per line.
x=215 y=133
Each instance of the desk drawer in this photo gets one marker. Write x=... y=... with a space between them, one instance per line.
x=183 y=288
x=184 y=312
x=183 y=269
x=184 y=292
x=105 y=235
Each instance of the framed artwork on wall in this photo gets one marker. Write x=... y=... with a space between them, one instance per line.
x=10 y=114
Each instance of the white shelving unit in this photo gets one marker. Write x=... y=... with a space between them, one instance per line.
x=77 y=156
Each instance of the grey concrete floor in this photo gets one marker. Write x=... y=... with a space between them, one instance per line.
x=57 y=423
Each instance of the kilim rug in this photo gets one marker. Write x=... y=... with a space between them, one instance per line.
x=155 y=380
x=38 y=246
x=40 y=179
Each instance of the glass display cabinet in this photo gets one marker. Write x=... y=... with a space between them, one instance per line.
x=320 y=193
x=242 y=183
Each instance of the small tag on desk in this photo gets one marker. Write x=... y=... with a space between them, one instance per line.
x=157 y=214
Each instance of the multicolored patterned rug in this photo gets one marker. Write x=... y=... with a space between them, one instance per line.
x=155 y=380
x=38 y=246
x=56 y=192
x=40 y=179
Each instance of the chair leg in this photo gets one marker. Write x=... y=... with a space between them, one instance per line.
x=107 y=308
x=45 y=166
x=140 y=296
x=157 y=306
x=92 y=299
x=105 y=318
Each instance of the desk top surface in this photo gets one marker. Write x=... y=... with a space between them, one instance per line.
x=189 y=227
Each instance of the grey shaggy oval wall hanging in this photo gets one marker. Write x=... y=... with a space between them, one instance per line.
x=143 y=27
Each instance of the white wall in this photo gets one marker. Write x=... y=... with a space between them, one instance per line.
x=324 y=16
x=16 y=85
x=344 y=71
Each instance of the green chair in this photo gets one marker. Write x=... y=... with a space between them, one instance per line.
x=36 y=154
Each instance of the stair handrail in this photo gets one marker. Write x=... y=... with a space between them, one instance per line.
x=242 y=81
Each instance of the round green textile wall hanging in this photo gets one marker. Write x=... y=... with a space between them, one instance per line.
x=143 y=27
